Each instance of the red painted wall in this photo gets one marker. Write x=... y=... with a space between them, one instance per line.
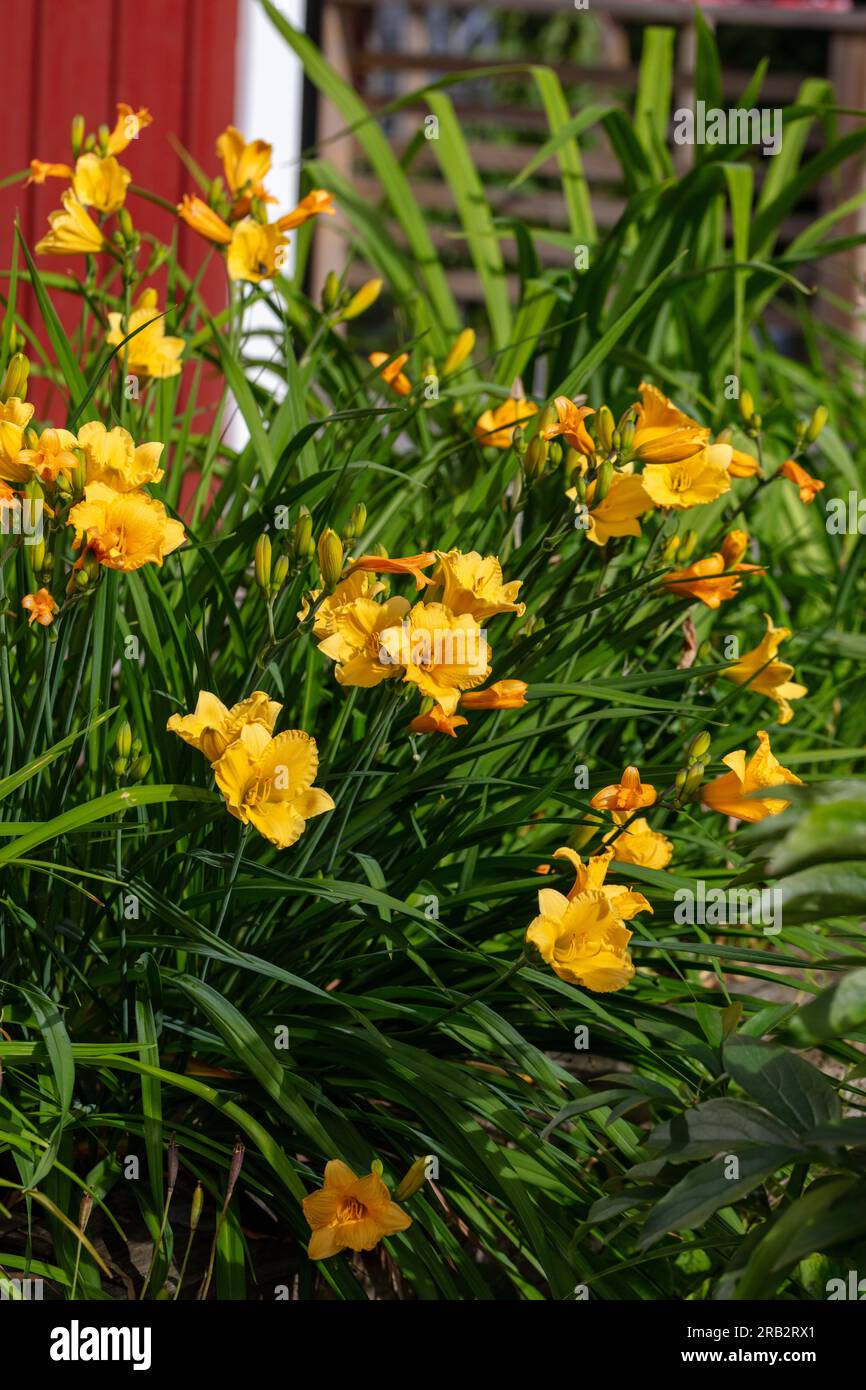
x=69 y=57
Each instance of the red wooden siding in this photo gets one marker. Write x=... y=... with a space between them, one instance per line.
x=69 y=57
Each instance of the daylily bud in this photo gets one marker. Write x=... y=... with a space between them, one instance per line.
x=627 y=432
x=196 y=1207
x=280 y=574
x=460 y=350
x=85 y=1207
x=535 y=458
x=671 y=547
x=330 y=553
x=554 y=453
x=263 y=562
x=605 y=478
x=127 y=231
x=140 y=767
x=103 y=135
x=687 y=545
x=79 y=477
x=358 y=519
x=361 y=301
x=123 y=740
x=15 y=378
x=36 y=554
x=302 y=536
x=616 y=440
x=747 y=405
x=699 y=747
x=119 y=766
x=819 y=419
x=724 y=436
x=330 y=290
x=604 y=425
x=580 y=488
x=413 y=1180
x=518 y=441
x=76 y=135
x=548 y=417
x=376 y=1167
x=694 y=777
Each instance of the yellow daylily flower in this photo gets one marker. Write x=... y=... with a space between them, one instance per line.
x=350 y=1213
x=638 y=844
x=472 y=583
x=316 y=204
x=691 y=482
x=618 y=513
x=246 y=164
x=628 y=794
x=729 y=794
x=495 y=428
x=150 y=352
x=582 y=936
x=392 y=372
x=127 y=127
x=100 y=183
x=663 y=433
x=710 y=579
x=570 y=425
x=73 y=232
x=759 y=670
x=355 y=586
x=268 y=782
x=256 y=251
x=212 y=727
x=51 y=457
x=124 y=530
x=197 y=214
x=355 y=642
x=441 y=652
x=113 y=458
x=15 y=416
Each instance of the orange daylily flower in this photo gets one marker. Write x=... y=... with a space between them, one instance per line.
x=127 y=127
x=436 y=721
x=570 y=425
x=626 y=795
x=392 y=372
x=743 y=465
x=350 y=1213
x=730 y=794
x=41 y=607
x=409 y=564
x=40 y=171
x=715 y=578
x=316 y=203
x=809 y=486
x=499 y=695
x=196 y=214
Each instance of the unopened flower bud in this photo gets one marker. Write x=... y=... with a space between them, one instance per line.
x=460 y=350
x=123 y=740
x=413 y=1180
x=15 y=378
x=330 y=553
x=124 y=222
x=196 y=1207
x=263 y=562
x=140 y=767
x=302 y=536
x=535 y=458
x=605 y=428
x=605 y=478
x=361 y=300
x=279 y=575
x=672 y=545
x=76 y=135
x=687 y=545
x=548 y=418
x=699 y=747
x=747 y=405
x=518 y=441
x=819 y=419
x=627 y=432
x=554 y=453
x=330 y=290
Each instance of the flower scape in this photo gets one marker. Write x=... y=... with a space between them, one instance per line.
x=371 y=785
